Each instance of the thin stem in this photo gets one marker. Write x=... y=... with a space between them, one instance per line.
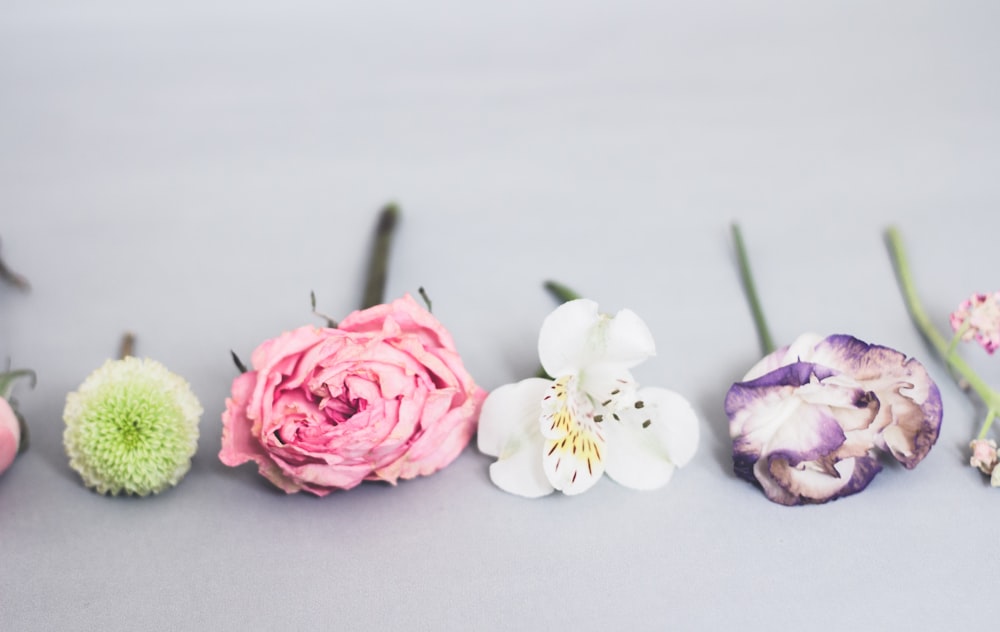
x=128 y=345
x=957 y=337
x=562 y=293
x=379 y=261
x=990 y=397
x=990 y=416
x=427 y=299
x=763 y=333
x=242 y=368
x=7 y=380
x=330 y=323
x=12 y=277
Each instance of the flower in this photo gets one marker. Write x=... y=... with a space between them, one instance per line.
x=564 y=433
x=979 y=317
x=984 y=455
x=808 y=419
x=10 y=435
x=131 y=427
x=383 y=397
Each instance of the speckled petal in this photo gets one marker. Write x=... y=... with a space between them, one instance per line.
x=648 y=443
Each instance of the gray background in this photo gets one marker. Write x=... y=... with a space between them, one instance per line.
x=192 y=170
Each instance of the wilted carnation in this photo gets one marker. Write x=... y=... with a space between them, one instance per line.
x=808 y=421
x=131 y=427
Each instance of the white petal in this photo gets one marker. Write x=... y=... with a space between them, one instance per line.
x=576 y=462
x=575 y=335
x=802 y=349
x=508 y=429
x=574 y=448
x=644 y=457
x=509 y=412
x=563 y=338
x=520 y=471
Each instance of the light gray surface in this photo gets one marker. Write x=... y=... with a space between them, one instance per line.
x=193 y=171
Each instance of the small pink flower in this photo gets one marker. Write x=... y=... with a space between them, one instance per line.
x=382 y=397
x=980 y=316
x=984 y=455
x=10 y=435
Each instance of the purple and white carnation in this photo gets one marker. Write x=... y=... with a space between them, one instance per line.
x=809 y=419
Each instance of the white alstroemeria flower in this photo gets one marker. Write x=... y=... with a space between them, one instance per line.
x=565 y=433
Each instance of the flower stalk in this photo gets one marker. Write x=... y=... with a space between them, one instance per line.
x=379 y=261
x=944 y=347
x=127 y=347
x=12 y=277
x=7 y=380
x=763 y=332
x=562 y=293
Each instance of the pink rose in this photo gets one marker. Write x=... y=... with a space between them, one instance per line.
x=383 y=397
x=10 y=435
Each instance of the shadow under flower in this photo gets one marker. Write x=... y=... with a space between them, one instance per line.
x=712 y=406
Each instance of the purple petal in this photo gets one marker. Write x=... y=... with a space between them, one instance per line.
x=909 y=421
x=741 y=394
x=819 y=482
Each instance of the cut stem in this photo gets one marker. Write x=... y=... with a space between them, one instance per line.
x=763 y=333
x=12 y=277
x=379 y=261
x=127 y=346
x=989 y=396
x=427 y=299
x=562 y=293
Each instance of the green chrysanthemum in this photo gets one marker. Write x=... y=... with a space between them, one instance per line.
x=132 y=426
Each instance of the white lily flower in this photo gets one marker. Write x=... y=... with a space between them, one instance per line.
x=592 y=418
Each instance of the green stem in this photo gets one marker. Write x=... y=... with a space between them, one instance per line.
x=990 y=416
x=562 y=293
x=990 y=397
x=7 y=380
x=12 y=277
x=763 y=333
x=957 y=337
x=379 y=261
